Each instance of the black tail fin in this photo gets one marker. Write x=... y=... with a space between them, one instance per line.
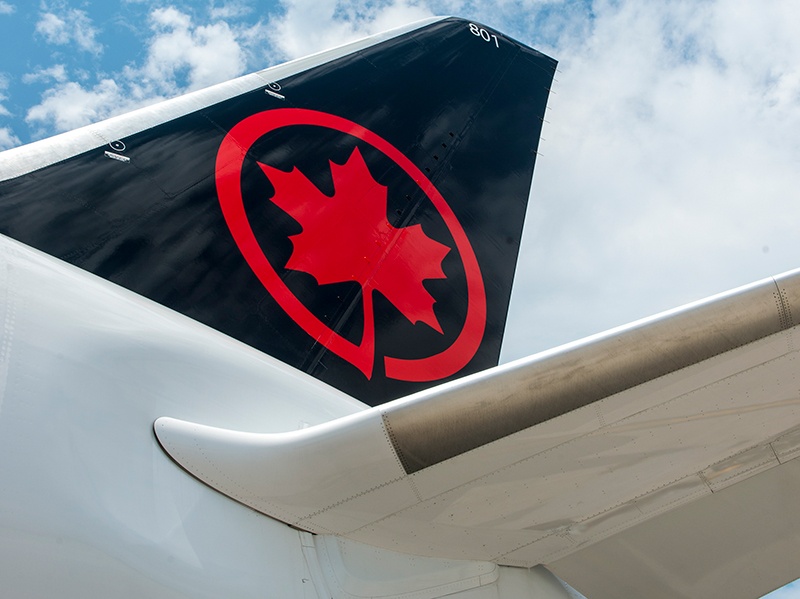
x=357 y=218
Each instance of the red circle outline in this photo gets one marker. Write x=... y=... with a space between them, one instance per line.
x=230 y=160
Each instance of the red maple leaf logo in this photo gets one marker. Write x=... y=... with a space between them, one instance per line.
x=347 y=237
x=381 y=268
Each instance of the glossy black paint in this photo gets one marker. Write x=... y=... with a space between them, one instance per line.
x=466 y=111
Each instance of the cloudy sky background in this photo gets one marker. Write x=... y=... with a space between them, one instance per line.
x=670 y=165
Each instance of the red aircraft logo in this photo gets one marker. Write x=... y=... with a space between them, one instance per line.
x=347 y=237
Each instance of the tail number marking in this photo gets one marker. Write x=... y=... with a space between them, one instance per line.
x=483 y=34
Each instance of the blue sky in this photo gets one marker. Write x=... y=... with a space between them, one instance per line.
x=670 y=165
x=790 y=591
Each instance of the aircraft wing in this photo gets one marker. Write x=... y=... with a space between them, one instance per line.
x=653 y=460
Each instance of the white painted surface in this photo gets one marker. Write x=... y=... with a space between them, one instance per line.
x=92 y=507
x=537 y=495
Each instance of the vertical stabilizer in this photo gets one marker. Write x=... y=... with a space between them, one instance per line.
x=356 y=215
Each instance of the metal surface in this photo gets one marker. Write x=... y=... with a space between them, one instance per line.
x=667 y=428
x=474 y=412
x=738 y=543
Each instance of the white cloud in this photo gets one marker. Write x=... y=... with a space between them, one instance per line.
x=4 y=82
x=307 y=26
x=181 y=56
x=70 y=25
x=230 y=10
x=6 y=8
x=206 y=54
x=8 y=139
x=53 y=28
x=56 y=73
x=69 y=105
x=669 y=166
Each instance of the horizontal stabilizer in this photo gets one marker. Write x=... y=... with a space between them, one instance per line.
x=527 y=462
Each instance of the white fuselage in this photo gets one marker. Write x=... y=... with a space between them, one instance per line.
x=90 y=504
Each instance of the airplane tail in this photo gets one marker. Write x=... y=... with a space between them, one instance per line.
x=356 y=214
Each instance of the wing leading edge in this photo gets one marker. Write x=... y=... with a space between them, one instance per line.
x=535 y=460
